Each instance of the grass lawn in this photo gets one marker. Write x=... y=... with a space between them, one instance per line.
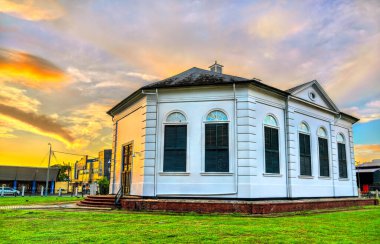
x=8 y=201
x=58 y=226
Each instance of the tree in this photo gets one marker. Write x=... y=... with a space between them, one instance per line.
x=104 y=184
x=64 y=172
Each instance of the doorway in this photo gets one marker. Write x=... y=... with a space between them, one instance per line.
x=127 y=168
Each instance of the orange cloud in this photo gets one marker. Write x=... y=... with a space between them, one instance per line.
x=30 y=70
x=35 y=123
x=366 y=153
x=33 y=10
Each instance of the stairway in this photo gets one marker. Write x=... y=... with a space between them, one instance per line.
x=98 y=201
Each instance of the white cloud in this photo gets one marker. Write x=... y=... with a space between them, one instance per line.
x=78 y=75
x=368 y=112
x=18 y=97
x=145 y=77
x=277 y=24
x=86 y=124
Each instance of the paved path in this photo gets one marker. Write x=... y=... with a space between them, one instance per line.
x=52 y=206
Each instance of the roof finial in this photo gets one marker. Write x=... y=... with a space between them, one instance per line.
x=217 y=68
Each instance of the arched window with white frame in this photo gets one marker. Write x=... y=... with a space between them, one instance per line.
x=272 y=150
x=323 y=151
x=216 y=142
x=342 y=158
x=304 y=149
x=175 y=143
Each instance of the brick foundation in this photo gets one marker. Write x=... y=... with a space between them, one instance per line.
x=243 y=207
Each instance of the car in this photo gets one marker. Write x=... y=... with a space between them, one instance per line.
x=9 y=191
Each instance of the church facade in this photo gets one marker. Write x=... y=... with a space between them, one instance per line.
x=203 y=133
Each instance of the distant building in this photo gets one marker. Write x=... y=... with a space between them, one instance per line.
x=89 y=170
x=203 y=133
x=33 y=178
x=105 y=163
x=368 y=174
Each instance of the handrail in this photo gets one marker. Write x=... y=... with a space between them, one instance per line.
x=118 y=196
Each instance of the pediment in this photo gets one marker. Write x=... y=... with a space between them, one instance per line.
x=314 y=93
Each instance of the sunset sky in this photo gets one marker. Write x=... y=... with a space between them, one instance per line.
x=63 y=64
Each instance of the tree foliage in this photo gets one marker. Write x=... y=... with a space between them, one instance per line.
x=64 y=172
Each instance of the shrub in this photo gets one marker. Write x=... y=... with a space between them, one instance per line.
x=104 y=184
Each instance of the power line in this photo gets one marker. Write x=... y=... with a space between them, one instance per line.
x=75 y=154
x=43 y=159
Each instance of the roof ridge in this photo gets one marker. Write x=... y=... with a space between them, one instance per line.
x=299 y=86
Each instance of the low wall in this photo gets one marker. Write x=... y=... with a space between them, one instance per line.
x=243 y=207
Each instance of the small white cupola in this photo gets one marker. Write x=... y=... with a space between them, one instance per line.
x=217 y=68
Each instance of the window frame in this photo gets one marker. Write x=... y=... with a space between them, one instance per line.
x=162 y=146
x=299 y=149
x=345 y=151
x=328 y=152
x=230 y=143
x=277 y=126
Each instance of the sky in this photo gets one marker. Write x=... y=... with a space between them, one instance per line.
x=63 y=64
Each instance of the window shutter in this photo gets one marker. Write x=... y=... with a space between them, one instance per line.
x=324 y=169
x=272 y=162
x=175 y=144
x=305 y=157
x=342 y=160
x=216 y=148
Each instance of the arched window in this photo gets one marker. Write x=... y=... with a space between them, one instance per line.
x=216 y=142
x=303 y=128
x=176 y=117
x=270 y=120
x=322 y=132
x=342 y=156
x=324 y=168
x=272 y=151
x=175 y=143
x=216 y=115
x=304 y=149
x=340 y=138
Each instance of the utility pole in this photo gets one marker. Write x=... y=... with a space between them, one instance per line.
x=47 y=176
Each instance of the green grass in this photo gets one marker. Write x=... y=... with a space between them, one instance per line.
x=8 y=201
x=58 y=226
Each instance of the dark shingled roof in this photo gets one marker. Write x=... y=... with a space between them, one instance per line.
x=194 y=77
x=200 y=77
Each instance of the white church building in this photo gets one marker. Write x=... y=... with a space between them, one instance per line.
x=203 y=133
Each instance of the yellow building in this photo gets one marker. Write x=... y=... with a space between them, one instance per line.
x=88 y=170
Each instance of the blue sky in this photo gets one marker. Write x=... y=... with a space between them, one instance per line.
x=65 y=63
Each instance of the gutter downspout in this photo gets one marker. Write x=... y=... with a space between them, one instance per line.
x=155 y=163
x=114 y=157
x=235 y=142
x=288 y=181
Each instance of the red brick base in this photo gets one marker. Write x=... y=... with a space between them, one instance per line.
x=243 y=207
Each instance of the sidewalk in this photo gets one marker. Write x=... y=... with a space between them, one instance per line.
x=52 y=206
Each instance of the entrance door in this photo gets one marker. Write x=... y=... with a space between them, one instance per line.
x=127 y=168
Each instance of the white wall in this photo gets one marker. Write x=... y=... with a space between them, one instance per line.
x=247 y=178
x=195 y=104
x=130 y=129
x=317 y=186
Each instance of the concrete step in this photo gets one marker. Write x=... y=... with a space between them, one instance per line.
x=100 y=200
x=101 y=197
x=96 y=206
x=97 y=203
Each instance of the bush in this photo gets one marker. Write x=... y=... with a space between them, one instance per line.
x=104 y=184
